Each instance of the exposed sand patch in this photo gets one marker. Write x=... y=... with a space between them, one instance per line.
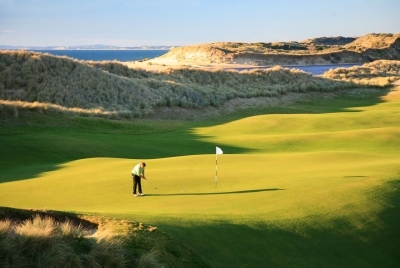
x=164 y=64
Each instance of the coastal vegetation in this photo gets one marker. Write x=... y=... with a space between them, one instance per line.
x=34 y=238
x=55 y=84
x=378 y=73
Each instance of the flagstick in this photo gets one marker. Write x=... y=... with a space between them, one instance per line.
x=217 y=152
x=216 y=169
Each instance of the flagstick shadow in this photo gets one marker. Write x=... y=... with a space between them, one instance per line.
x=217 y=193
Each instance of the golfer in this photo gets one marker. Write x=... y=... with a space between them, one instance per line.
x=137 y=174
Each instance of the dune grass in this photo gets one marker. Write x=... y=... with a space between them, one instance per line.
x=34 y=238
x=314 y=184
x=44 y=242
x=54 y=84
x=379 y=73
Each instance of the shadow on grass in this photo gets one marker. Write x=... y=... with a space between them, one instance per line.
x=26 y=172
x=343 y=101
x=218 y=193
x=28 y=153
x=314 y=241
x=21 y=215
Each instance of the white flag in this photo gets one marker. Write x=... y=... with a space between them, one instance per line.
x=219 y=151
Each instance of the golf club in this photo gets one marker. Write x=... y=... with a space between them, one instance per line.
x=151 y=183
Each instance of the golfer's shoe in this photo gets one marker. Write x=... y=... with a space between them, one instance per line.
x=141 y=193
x=134 y=194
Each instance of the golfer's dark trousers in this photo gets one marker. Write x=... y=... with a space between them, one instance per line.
x=136 y=183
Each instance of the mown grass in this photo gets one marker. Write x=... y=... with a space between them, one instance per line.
x=315 y=187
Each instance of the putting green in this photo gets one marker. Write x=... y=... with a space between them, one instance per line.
x=258 y=186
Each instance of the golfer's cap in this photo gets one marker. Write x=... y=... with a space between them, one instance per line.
x=144 y=164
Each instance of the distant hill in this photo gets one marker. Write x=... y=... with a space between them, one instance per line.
x=324 y=50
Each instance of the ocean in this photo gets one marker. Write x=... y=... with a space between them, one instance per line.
x=100 y=55
x=136 y=55
x=314 y=69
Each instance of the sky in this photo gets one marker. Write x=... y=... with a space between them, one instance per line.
x=128 y=23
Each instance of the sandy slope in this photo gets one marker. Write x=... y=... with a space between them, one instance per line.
x=232 y=55
x=163 y=64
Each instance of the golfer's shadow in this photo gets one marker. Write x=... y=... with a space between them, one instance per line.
x=216 y=193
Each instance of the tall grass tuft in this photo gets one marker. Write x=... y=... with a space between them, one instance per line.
x=110 y=251
x=44 y=242
x=149 y=260
x=37 y=227
x=42 y=239
x=68 y=229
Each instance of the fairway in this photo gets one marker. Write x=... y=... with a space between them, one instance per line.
x=318 y=186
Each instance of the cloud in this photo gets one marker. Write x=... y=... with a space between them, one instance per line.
x=7 y=31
